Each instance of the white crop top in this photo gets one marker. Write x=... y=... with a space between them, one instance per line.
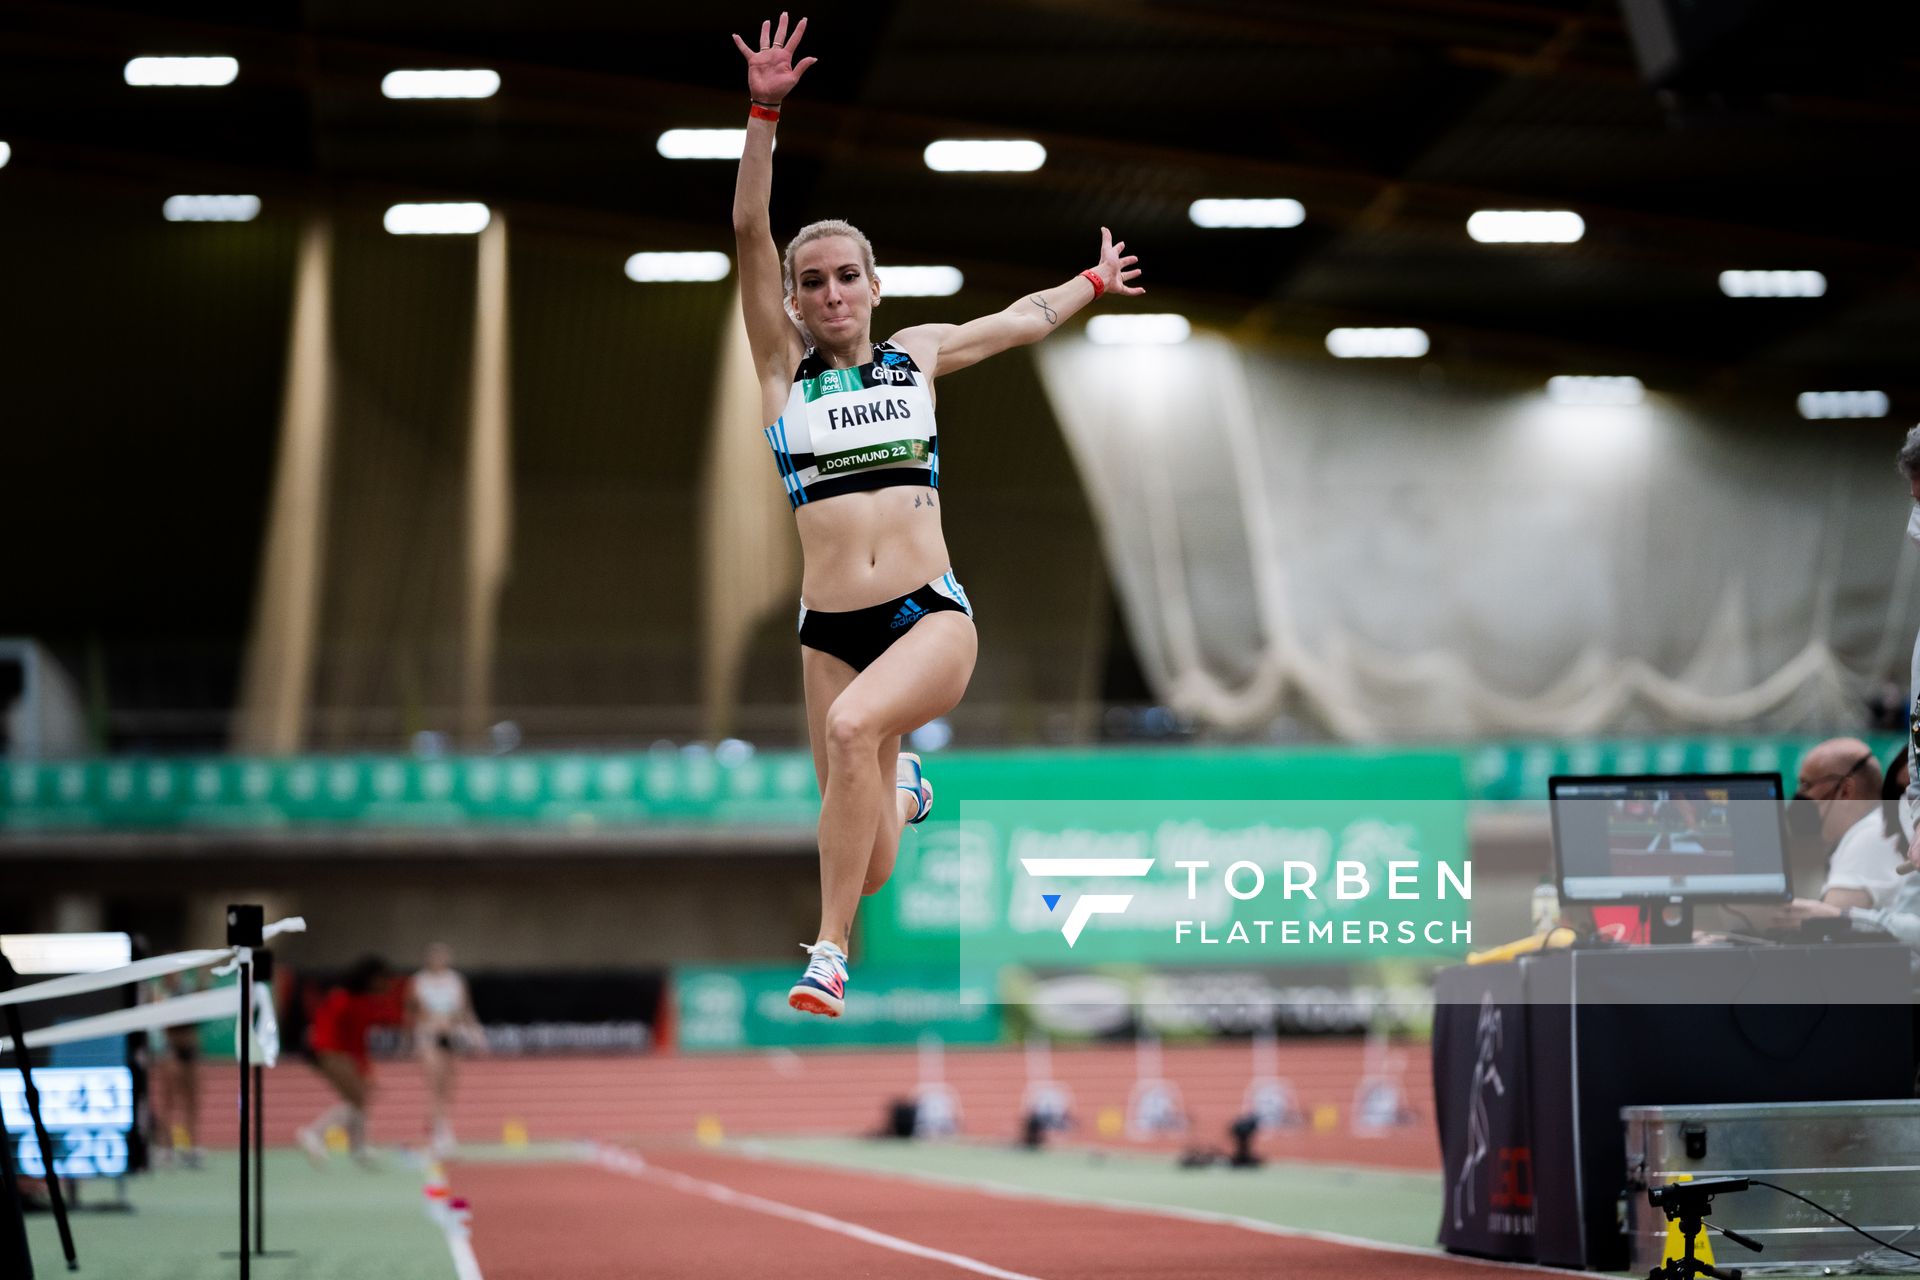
x=440 y=993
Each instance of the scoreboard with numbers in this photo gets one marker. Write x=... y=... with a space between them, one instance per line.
x=88 y=1112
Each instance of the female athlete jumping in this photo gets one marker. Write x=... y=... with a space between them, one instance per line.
x=886 y=632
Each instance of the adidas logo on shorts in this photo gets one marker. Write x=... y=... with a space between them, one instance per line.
x=908 y=615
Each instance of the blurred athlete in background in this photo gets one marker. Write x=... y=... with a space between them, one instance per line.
x=175 y=1100
x=440 y=1013
x=368 y=995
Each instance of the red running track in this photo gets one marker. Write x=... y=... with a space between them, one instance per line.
x=654 y=1097
x=682 y=1214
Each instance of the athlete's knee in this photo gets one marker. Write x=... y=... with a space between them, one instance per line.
x=851 y=729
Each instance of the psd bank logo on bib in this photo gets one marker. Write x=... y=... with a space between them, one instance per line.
x=1088 y=905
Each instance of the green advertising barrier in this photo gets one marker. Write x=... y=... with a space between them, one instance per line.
x=962 y=897
x=745 y=1007
x=578 y=792
x=1503 y=771
x=734 y=785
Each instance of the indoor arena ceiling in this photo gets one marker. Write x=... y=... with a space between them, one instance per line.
x=1389 y=120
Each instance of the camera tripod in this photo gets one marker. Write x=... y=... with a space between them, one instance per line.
x=1689 y=1203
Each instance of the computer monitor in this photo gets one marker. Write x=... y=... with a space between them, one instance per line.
x=1669 y=841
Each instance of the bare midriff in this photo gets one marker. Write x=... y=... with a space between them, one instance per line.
x=861 y=549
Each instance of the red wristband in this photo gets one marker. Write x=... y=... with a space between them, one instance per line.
x=757 y=112
x=1092 y=277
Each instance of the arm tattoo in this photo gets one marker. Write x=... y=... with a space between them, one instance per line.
x=1053 y=317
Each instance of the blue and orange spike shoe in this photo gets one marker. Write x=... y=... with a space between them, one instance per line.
x=822 y=989
x=907 y=777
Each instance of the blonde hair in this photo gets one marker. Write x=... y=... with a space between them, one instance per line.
x=808 y=234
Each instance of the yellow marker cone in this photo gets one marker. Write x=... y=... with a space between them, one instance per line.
x=1326 y=1118
x=1677 y=1244
x=1111 y=1122
x=514 y=1133
x=707 y=1131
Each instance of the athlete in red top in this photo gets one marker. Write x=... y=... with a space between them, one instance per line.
x=369 y=995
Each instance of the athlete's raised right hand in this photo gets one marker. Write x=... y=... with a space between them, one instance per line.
x=771 y=71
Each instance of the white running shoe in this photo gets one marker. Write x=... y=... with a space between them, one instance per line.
x=314 y=1145
x=907 y=777
x=822 y=989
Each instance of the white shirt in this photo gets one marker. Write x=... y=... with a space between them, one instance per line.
x=1866 y=859
x=1899 y=917
x=1910 y=801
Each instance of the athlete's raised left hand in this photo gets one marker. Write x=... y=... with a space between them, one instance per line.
x=1115 y=268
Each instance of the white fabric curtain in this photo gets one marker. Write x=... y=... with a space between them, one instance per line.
x=1388 y=558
